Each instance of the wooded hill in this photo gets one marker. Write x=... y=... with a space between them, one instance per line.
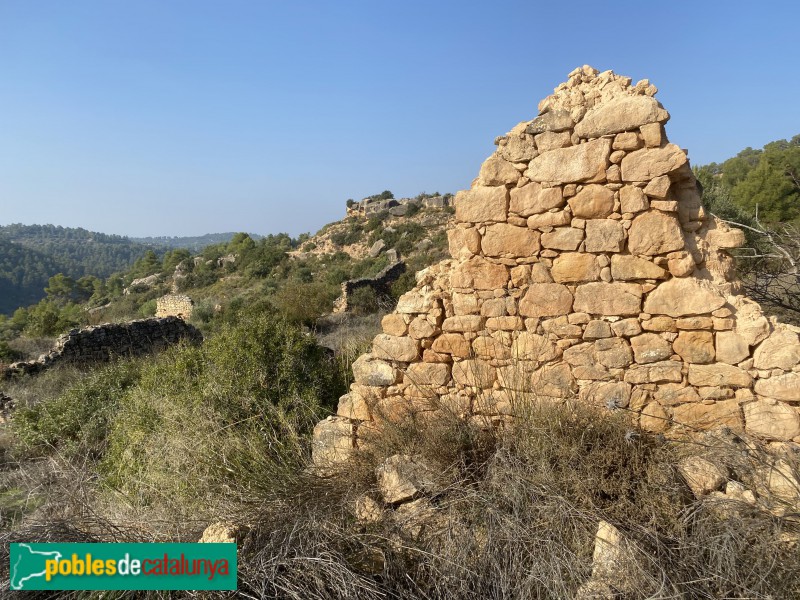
x=31 y=254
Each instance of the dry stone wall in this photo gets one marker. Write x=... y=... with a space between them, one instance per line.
x=583 y=264
x=175 y=305
x=102 y=343
x=380 y=284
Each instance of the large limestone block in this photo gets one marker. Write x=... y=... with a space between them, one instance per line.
x=367 y=370
x=554 y=120
x=463 y=323
x=587 y=162
x=731 y=348
x=771 y=420
x=332 y=445
x=614 y=394
x=394 y=324
x=518 y=147
x=695 y=346
x=658 y=188
x=784 y=387
x=393 y=347
x=668 y=371
x=532 y=199
x=654 y=233
x=604 y=235
x=415 y=302
x=463 y=243
x=550 y=219
x=709 y=416
x=649 y=163
x=425 y=375
x=781 y=350
x=354 y=406
x=614 y=353
x=496 y=171
x=533 y=347
x=474 y=372
x=701 y=475
x=680 y=297
x=555 y=381
x=488 y=347
x=549 y=140
x=402 y=477
x=671 y=394
x=725 y=237
x=573 y=267
x=502 y=240
x=632 y=199
x=781 y=481
x=546 y=300
x=562 y=238
x=719 y=375
x=750 y=323
x=480 y=274
x=592 y=202
x=482 y=205
x=625 y=268
x=650 y=348
x=452 y=343
x=654 y=418
x=610 y=299
x=624 y=113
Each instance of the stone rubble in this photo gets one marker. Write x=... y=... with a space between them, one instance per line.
x=583 y=264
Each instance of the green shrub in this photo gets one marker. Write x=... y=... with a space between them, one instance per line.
x=219 y=415
x=8 y=354
x=304 y=302
x=148 y=309
x=76 y=422
x=364 y=301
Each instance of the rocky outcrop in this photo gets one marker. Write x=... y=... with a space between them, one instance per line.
x=396 y=207
x=102 y=343
x=583 y=264
x=381 y=284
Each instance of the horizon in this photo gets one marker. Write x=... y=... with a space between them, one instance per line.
x=153 y=120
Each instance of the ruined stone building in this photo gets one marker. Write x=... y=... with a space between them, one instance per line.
x=583 y=265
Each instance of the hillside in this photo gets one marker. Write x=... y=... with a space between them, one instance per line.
x=31 y=254
x=191 y=243
x=301 y=278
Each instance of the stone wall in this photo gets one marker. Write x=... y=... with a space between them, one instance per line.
x=381 y=284
x=173 y=305
x=583 y=265
x=102 y=343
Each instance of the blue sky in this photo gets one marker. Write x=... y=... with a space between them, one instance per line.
x=181 y=117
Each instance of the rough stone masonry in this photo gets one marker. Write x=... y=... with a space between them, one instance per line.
x=583 y=265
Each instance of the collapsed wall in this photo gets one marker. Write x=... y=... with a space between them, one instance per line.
x=101 y=343
x=583 y=264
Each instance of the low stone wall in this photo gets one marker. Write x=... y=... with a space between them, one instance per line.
x=102 y=343
x=173 y=305
x=381 y=283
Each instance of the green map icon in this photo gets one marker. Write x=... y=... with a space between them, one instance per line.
x=28 y=564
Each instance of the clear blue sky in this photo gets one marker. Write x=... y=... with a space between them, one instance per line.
x=181 y=117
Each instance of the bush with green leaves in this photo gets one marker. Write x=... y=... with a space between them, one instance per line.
x=76 y=422
x=218 y=414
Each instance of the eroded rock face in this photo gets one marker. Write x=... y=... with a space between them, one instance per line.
x=583 y=264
